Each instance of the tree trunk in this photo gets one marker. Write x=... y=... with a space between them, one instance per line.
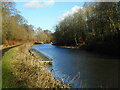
x=75 y=40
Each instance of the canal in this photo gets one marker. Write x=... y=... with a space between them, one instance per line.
x=81 y=68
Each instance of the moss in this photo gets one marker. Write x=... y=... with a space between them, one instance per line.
x=48 y=63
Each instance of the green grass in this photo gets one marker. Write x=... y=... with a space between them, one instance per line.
x=8 y=79
x=0 y=75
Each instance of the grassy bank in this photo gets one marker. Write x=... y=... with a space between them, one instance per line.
x=23 y=70
x=8 y=79
x=0 y=74
x=68 y=46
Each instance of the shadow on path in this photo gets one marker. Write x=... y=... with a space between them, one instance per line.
x=5 y=50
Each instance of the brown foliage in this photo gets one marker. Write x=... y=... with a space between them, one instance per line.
x=31 y=72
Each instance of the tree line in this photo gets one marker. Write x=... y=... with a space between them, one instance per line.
x=95 y=25
x=15 y=28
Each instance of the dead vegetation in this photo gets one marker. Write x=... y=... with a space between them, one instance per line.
x=30 y=71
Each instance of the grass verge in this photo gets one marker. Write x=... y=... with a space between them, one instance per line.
x=8 y=79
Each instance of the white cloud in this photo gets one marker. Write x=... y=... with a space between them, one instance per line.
x=47 y=3
x=38 y=4
x=75 y=9
x=32 y=4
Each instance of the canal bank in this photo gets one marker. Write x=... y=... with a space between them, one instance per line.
x=108 y=48
x=25 y=70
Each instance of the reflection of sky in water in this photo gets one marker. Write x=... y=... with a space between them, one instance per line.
x=95 y=70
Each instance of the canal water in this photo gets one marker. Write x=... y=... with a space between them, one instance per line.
x=81 y=68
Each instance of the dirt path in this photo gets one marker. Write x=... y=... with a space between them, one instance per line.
x=5 y=50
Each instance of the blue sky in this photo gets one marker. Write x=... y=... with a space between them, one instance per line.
x=48 y=15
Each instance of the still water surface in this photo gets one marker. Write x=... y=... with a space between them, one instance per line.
x=95 y=70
